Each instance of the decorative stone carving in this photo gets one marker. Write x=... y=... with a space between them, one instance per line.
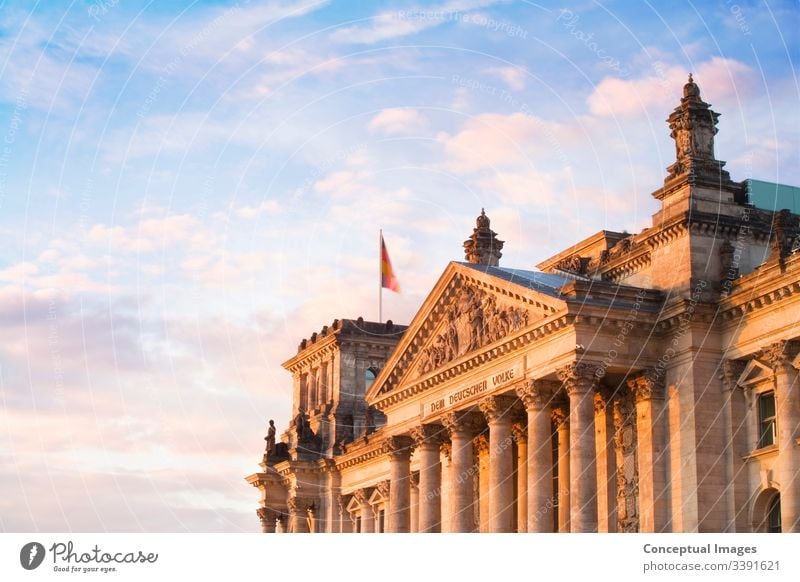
x=496 y=407
x=730 y=372
x=360 y=495
x=446 y=448
x=600 y=402
x=519 y=432
x=467 y=422
x=383 y=488
x=427 y=433
x=483 y=247
x=473 y=319
x=780 y=354
x=559 y=416
x=574 y=264
x=578 y=377
x=645 y=387
x=300 y=505
x=625 y=452
x=398 y=445
x=481 y=443
x=693 y=126
x=535 y=394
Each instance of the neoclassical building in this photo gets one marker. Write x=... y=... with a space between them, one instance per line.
x=641 y=382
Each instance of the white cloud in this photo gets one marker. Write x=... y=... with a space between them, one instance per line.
x=720 y=80
x=514 y=77
x=398 y=121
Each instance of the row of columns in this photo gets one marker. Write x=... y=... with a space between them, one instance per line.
x=576 y=460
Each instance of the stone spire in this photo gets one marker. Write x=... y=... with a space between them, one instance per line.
x=483 y=247
x=693 y=126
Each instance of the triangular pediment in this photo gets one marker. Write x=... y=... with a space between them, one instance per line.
x=468 y=311
x=754 y=373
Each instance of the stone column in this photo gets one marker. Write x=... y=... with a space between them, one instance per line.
x=415 y=508
x=606 y=464
x=648 y=394
x=480 y=448
x=535 y=395
x=345 y=524
x=560 y=419
x=447 y=487
x=579 y=380
x=267 y=518
x=784 y=359
x=461 y=428
x=498 y=413
x=367 y=515
x=519 y=432
x=427 y=440
x=298 y=514
x=399 y=450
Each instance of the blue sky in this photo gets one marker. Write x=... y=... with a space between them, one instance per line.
x=187 y=191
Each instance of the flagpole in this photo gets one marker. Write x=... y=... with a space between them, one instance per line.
x=380 y=276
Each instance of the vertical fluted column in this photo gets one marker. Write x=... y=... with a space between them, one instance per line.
x=648 y=394
x=519 y=432
x=427 y=440
x=606 y=464
x=784 y=360
x=399 y=450
x=497 y=410
x=267 y=518
x=461 y=428
x=446 y=495
x=579 y=381
x=560 y=419
x=535 y=395
x=480 y=447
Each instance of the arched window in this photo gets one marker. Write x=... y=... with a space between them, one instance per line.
x=774 y=515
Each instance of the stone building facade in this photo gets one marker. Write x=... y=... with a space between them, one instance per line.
x=640 y=382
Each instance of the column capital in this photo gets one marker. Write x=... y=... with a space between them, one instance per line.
x=730 y=371
x=398 y=446
x=481 y=443
x=496 y=408
x=559 y=416
x=535 y=394
x=578 y=377
x=427 y=434
x=414 y=479
x=519 y=431
x=782 y=353
x=383 y=488
x=446 y=448
x=601 y=401
x=462 y=422
x=300 y=504
x=360 y=495
x=646 y=387
x=265 y=514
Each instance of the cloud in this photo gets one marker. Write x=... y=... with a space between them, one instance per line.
x=398 y=121
x=399 y=23
x=720 y=80
x=152 y=234
x=514 y=77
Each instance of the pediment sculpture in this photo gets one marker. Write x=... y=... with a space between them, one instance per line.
x=473 y=319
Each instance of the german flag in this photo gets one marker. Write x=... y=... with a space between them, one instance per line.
x=388 y=280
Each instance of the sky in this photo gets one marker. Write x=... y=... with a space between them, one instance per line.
x=187 y=189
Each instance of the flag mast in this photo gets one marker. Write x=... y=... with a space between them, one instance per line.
x=380 y=275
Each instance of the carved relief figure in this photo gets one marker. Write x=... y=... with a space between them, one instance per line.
x=473 y=320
